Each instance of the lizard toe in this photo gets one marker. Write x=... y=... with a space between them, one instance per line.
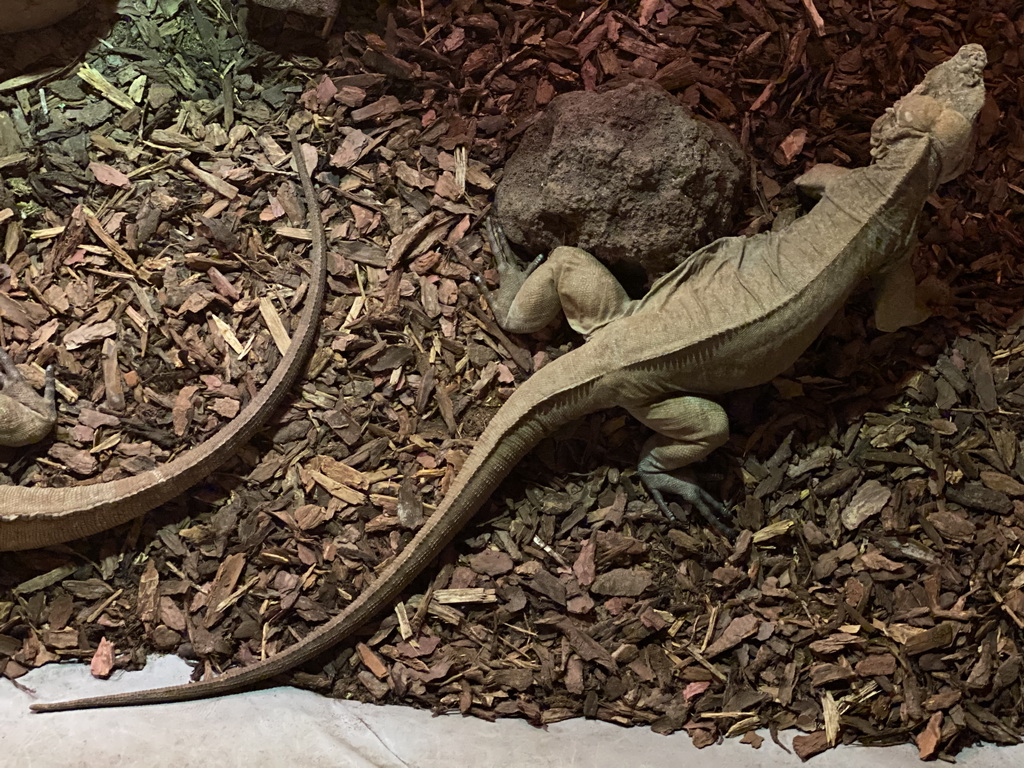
x=8 y=371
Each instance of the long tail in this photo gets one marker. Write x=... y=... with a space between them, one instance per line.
x=553 y=396
x=38 y=517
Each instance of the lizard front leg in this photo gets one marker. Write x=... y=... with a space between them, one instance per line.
x=815 y=182
x=898 y=302
x=688 y=429
x=25 y=416
x=569 y=280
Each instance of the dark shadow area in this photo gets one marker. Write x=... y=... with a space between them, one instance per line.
x=287 y=33
x=39 y=54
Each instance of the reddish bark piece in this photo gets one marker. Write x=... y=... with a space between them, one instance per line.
x=702 y=733
x=952 y=525
x=585 y=645
x=822 y=674
x=226 y=407
x=549 y=585
x=80 y=462
x=879 y=664
x=584 y=568
x=942 y=700
x=997 y=481
x=835 y=643
x=182 y=412
x=224 y=584
x=928 y=739
x=753 y=738
x=491 y=562
x=310 y=516
x=876 y=561
x=580 y=604
x=60 y=638
x=371 y=660
x=693 y=690
x=171 y=614
x=107 y=174
x=89 y=334
x=102 y=663
x=622 y=582
x=423 y=646
x=866 y=503
x=739 y=629
x=940 y=636
x=148 y=599
x=808 y=745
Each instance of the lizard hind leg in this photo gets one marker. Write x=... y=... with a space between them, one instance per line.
x=25 y=416
x=569 y=280
x=687 y=429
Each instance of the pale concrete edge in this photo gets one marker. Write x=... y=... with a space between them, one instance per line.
x=300 y=727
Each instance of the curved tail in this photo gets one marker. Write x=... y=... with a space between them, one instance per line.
x=38 y=517
x=553 y=396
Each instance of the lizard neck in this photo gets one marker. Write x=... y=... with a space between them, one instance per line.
x=912 y=156
x=880 y=204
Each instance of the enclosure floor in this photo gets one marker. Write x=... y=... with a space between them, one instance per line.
x=286 y=726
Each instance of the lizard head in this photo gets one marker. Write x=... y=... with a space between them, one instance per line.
x=943 y=108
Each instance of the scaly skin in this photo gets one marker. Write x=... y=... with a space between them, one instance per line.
x=39 y=517
x=26 y=417
x=737 y=313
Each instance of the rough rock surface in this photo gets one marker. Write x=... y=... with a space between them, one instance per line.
x=23 y=15
x=629 y=175
x=322 y=8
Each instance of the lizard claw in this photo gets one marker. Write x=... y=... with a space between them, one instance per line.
x=18 y=388
x=498 y=241
x=537 y=261
x=710 y=508
x=505 y=260
x=7 y=367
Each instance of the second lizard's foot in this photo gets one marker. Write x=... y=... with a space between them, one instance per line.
x=25 y=416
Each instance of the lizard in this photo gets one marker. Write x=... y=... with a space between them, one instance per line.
x=32 y=517
x=735 y=314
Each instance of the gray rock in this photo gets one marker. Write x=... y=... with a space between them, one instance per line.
x=629 y=175
x=23 y=15
x=321 y=8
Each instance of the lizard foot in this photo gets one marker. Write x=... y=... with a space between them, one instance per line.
x=25 y=416
x=506 y=262
x=511 y=273
x=711 y=509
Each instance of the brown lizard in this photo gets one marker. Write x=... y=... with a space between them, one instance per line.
x=735 y=314
x=38 y=517
x=25 y=416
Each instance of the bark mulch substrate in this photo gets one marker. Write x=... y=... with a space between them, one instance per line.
x=153 y=238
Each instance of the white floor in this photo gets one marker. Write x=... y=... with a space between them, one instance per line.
x=288 y=727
